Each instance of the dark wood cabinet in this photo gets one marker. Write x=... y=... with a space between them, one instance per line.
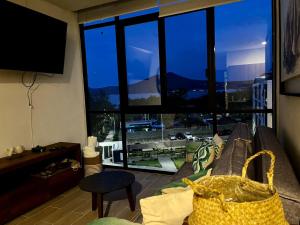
x=22 y=190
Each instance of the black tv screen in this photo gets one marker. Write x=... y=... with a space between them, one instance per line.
x=31 y=41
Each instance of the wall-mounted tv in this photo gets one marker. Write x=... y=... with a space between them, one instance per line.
x=31 y=41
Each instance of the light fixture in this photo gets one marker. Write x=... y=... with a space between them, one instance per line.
x=264 y=43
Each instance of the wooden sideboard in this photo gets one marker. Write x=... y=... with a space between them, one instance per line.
x=21 y=189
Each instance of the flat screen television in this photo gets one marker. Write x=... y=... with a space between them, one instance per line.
x=31 y=41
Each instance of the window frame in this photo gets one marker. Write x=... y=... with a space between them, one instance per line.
x=164 y=108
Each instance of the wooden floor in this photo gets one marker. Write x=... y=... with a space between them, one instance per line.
x=74 y=206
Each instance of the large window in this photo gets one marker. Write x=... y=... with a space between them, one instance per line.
x=244 y=55
x=142 y=58
x=179 y=85
x=186 y=54
x=102 y=69
x=103 y=91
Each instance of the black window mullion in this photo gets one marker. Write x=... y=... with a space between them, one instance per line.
x=85 y=78
x=139 y=19
x=162 y=62
x=211 y=62
x=95 y=26
x=121 y=57
x=274 y=65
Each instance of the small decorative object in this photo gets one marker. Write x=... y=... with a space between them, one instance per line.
x=290 y=47
x=75 y=165
x=92 y=160
x=237 y=200
x=9 y=151
x=14 y=152
x=38 y=149
x=19 y=149
x=92 y=141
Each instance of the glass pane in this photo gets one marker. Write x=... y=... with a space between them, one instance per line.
x=107 y=128
x=139 y=13
x=186 y=51
x=142 y=55
x=227 y=121
x=99 y=21
x=244 y=55
x=164 y=141
x=102 y=69
x=262 y=119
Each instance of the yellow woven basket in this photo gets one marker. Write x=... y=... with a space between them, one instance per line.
x=237 y=200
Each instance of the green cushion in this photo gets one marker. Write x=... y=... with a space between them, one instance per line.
x=179 y=183
x=203 y=155
x=112 y=221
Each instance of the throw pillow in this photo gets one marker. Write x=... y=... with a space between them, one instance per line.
x=168 y=209
x=195 y=177
x=219 y=142
x=203 y=156
x=179 y=183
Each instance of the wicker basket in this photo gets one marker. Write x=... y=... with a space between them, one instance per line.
x=237 y=200
x=92 y=166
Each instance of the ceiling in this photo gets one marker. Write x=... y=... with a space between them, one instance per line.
x=75 y=5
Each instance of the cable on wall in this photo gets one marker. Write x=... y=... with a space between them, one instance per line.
x=30 y=90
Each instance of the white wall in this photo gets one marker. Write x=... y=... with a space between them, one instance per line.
x=288 y=116
x=59 y=107
x=289 y=128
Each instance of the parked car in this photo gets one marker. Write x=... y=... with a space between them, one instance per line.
x=209 y=138
x=198 y=138
x=180 y=136
x=172 y=137
x=188 y=136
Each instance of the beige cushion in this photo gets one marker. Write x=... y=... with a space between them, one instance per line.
x=173 y=190
x=181 y=189
x=220 y=143
x=167 y=209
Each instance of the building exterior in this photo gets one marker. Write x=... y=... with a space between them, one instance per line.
x=111 y=152
x=262 y=99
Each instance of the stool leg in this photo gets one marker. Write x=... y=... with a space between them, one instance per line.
x=130 y=198
x=100 y=205
x=94 y=201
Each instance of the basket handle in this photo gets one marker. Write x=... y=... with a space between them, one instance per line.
x=210 y=192
x=197 y=187
x=270 y=173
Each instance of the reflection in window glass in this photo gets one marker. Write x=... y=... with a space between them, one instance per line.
x=244 y=55
x=106 y=127
x=164 y=141
x=226 y=122
x=186 y=50
x=102 y=69
x=262 y=119
x=142 y=58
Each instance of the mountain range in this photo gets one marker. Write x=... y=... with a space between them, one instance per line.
x=174 y=82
